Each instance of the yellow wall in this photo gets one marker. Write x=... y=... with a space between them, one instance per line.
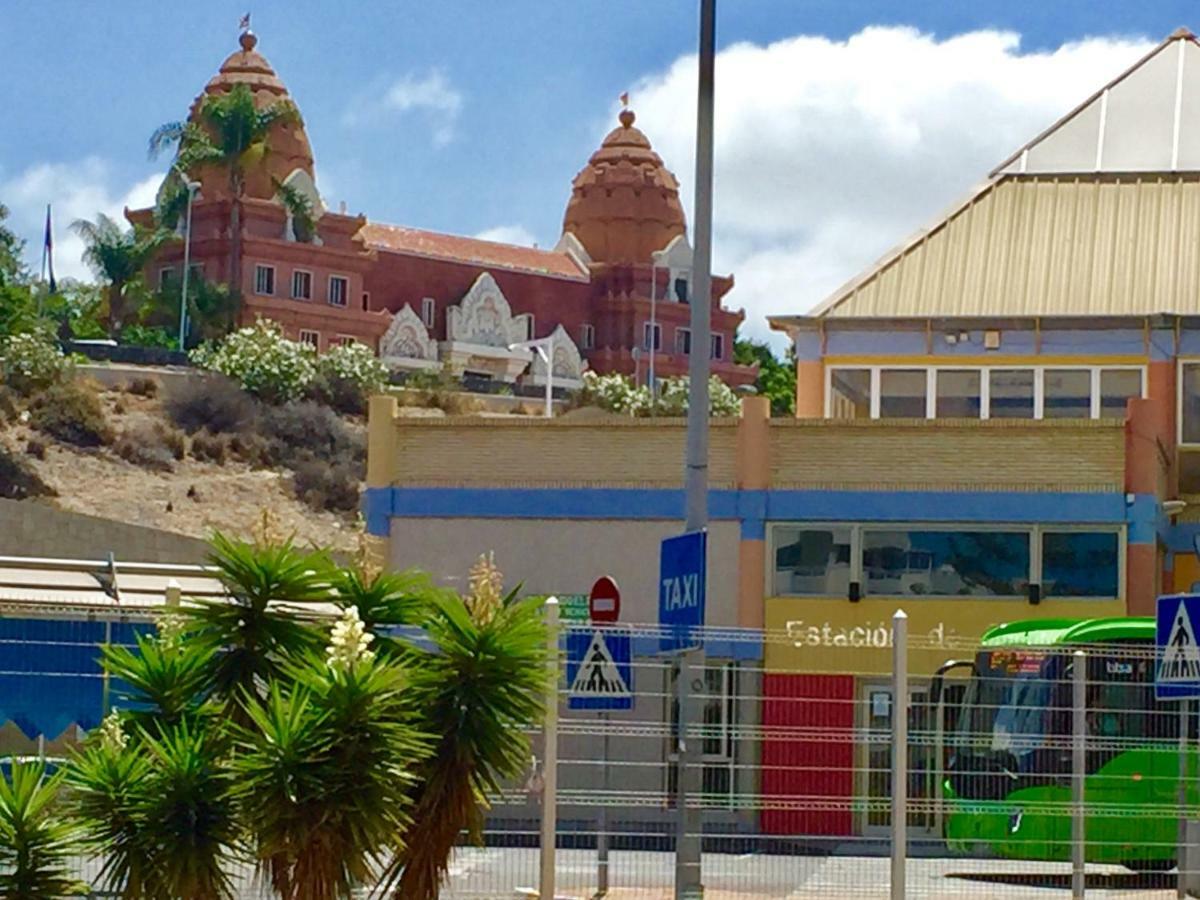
x=1187 y=572
x=817 y=634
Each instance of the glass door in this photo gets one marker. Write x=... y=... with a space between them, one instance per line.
x=875 y=757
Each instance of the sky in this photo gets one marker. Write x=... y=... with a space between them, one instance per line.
x=842 y=126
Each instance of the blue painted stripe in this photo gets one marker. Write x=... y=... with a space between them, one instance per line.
x=755 y=508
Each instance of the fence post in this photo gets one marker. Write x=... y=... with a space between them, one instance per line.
x=689 y=822
x=899 y=752
x=1181 y=851
x=550 y=754
x=1078 y=768
x=602 y=837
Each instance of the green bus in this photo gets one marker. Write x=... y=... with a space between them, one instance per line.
x=1006 y=784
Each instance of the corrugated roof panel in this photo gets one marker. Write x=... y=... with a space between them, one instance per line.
x=1046 y=246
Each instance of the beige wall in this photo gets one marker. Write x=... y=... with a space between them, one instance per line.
x=566 y=556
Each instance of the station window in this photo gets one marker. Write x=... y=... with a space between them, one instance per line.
x=812 y=561
x=958 y=394
x=1117 y=386
x=850 y=393
x=902 y=393
x=1080 y=564
x=898 y=562
x=1010 y=393
x=1067 y=394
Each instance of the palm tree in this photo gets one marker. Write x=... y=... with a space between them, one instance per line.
x=229 y=132
x=35 y=844
x=118 y=256
x=478 y=692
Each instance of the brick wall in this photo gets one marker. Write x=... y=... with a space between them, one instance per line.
x=948 y=454
x=603 y=452
x=28 y=528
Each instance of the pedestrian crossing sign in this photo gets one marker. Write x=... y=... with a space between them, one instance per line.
x=599 y=669
x=1177 y=674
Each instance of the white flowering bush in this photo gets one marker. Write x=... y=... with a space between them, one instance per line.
x=616 y=393
x=347 y=374
x=262 y=361
x=673 y=398
x=32 y=361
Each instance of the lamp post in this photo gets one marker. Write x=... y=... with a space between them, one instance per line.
x=544 y=347
x=192 y=187
x=653 y=324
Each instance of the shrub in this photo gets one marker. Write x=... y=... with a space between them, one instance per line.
x=346 y=376
x=252 y=449
x=18 y=480
x=262 y=361
x=9 y=407
x=142 y=387
x=673 y=398
x=208 y=447
x=309 y=428
x=214 y=403
x=32 y=362
x=616 y=393
x=148 y=446
x=326 y=486
x=36 y=448
x=71 y=412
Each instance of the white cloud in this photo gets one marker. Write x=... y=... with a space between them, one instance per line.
x=431 y=94
x=828 y=153
x=509 y=234
x=76 y=190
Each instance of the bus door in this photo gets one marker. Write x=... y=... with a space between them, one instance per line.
x=873 y=784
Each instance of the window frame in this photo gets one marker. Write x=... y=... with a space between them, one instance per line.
x=165 y=274
x=1035 y=532
x=646 y=332
x=1039 y=389
x=307 y=272
x=428 y=312
x=366 y=301
x=716 y=339
x=1179 y=441
x=315 y=344
x=587 y=336
x=345 y=279
x=344 y=340
x=260 y=268
x=683 y=333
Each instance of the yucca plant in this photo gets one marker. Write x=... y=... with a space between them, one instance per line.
x=385 y=601
x=164 y=681
x=36 y=842
x=478 y=693
x=325 y=771
x=256 y=630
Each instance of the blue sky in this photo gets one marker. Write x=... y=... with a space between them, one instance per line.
x=842 y=125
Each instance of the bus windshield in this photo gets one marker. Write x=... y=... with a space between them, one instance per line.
x=1008 y=704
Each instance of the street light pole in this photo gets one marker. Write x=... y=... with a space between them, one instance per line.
x=653 y=324
x=544 y=348
x=691 y=681
x=192 y=187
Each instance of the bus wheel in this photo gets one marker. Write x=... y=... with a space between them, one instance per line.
x=1146 y=866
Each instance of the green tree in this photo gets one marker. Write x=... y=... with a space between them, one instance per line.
x=478 y=692
x=35 y=844
x=118 y=256
x=12 y=270
x=230 y=134
x=776 y=378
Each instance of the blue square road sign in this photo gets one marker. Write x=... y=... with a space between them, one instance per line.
x=682 y=585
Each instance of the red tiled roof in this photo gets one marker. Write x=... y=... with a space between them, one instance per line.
x=455 y=248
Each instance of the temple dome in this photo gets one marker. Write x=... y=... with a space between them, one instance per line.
x=290 y=150
x=624 y=203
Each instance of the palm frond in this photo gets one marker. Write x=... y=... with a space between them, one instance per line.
x=35 y=843
x=166 y=135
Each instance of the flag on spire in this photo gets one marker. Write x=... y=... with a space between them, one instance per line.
x=625 y=99
x=245 y=23
x=48 y=253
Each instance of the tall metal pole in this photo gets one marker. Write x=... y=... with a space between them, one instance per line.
x=602 y=837
x=899 y=752
x=688 y=838
x=550 y=754
x=701 y=306
x=1181 y=853
x=187 y=264
x=653 y=322
x=1078 y=767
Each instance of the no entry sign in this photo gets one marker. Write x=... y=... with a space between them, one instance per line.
x=604 y=602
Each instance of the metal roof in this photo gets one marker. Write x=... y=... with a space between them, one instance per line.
x=1097 y=216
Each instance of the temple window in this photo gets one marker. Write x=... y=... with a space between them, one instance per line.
x=264 y=280
x=339 y=289
x=301 y=285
